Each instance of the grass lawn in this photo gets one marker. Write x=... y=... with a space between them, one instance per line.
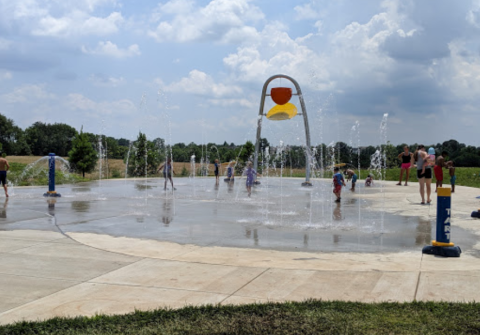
x=309 y=317
x=116 y=169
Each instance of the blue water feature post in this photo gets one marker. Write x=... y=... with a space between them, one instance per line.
x=51 y=177
x=442 y=245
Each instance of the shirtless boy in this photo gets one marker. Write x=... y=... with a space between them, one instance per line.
x=3 y=173
x=351 y=175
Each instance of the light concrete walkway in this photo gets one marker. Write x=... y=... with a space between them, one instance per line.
x=45 y=273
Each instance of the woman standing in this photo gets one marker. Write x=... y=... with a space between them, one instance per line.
x=425 y=178
x=406 y=157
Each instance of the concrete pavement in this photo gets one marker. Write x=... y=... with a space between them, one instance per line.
x=44 y=273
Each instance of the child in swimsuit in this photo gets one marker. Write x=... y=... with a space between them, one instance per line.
x=167 y=173
x=250 y=173
x=338 y=182
x=216 y=171
x=430 y=159
x=369 y=181
x=3 y=173
x=231 y=171
x=453 y=177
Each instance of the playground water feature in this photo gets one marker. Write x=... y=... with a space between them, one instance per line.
x=280 y=215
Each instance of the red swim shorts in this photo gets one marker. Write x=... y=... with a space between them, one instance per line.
x=338 y=189
x=438 y=172
x=406 y=165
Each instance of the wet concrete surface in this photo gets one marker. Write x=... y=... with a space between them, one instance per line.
x=280 y=215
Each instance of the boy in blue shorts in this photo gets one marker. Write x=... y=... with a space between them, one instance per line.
x=453 y=177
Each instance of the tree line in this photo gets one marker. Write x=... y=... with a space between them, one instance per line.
x=144 y=154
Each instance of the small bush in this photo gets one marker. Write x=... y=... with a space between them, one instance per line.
x=116 y=173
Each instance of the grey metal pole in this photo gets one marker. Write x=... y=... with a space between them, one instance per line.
x=305 y=121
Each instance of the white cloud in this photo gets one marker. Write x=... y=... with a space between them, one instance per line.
x=27 y=93
x=219 y=20
x=306 y=12
x=78 y=23
x=58 y=18
x=112 y=50
x=473 y=15
x=200 y=83
x=78 y=102
x=276 y=53
x=6 y=75
x=243 y=102
x=106 y=81
x=460 y=73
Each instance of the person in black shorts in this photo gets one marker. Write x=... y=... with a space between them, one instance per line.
x=425 y=178
x=217 y=174
x=3 y=173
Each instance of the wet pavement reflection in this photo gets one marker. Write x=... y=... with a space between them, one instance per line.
x=280 y=215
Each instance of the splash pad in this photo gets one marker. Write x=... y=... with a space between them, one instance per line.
x=281 y=215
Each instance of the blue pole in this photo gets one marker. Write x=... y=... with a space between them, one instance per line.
x=51 y=177
x=444 y=207
x=51 y=173
x=442 y=245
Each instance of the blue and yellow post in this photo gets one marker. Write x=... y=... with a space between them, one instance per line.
x=51 y=177
x=442 y=245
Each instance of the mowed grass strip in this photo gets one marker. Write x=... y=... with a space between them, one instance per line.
x=465 y=176
x=309 y=317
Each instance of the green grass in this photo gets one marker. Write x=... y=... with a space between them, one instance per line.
x=38 y=176
x=309 y=317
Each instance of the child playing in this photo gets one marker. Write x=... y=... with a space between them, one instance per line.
x=250 y=173
x=369 y=181
x=338 y=182
x=351 y=175
x=230 y=171
x=216 y=172
x=430 y=159
x=453 y=177
x=167 y=173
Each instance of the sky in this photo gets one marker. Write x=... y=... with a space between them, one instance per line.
x=193 y=71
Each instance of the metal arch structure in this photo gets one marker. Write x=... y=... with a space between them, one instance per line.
x=305 y=121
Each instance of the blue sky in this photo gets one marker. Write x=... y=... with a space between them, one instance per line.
x=193 y=70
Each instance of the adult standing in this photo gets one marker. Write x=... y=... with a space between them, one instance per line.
x=406 y=157
x=3 y=173
x=424 y=179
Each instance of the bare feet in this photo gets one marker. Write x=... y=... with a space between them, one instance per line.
x=399 y=184
x=406 y=184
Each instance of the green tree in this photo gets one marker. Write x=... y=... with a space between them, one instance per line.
x=145 y=156
x=247 y=152
x=83 y=156
x=44 y=138
x=12 y=138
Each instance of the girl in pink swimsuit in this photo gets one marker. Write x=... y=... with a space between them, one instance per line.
x=406 y=157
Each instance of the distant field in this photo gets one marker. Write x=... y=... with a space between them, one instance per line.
x=116 y=169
